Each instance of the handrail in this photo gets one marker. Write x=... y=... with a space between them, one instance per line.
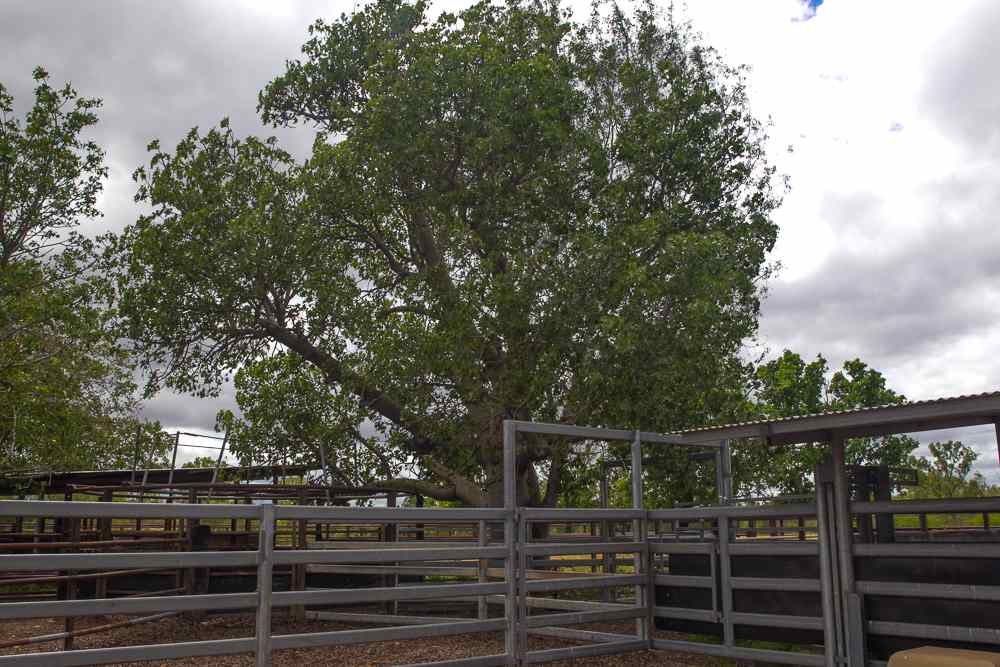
x=942 y=506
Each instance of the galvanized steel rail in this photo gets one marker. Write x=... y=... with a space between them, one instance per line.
x=714 y=539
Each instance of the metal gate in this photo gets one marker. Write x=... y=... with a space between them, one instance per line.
x=635 y=552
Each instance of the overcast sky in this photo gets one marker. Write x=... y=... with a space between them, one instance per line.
x=888 y=244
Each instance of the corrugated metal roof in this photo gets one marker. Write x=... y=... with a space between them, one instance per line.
x=888 y=410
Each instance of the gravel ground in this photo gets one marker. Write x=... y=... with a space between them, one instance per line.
x=363 y=655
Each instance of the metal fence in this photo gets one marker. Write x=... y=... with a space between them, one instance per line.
x=508 y=563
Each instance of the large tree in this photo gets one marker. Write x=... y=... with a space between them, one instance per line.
x=505 y=215
x=67 y=394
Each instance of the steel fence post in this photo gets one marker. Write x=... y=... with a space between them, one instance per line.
x=510 y=537
x=854 y=635
x=725 y=581
x=642 y=595
x=265 y=555
x=825 y=572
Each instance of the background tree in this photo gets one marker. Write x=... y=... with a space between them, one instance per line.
x=505 y=215
x=67 y=397
x=789 y=386
x=200 y=462
x=948 y=473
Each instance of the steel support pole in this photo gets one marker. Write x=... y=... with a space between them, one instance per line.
x=265 y=570
x=834 y=554
x=996 y=428
x=510 y=536
x=173 y=465
x=218 y=463
x=522 y=588
x=483 y=571
x=726 y=583
x=853 y=631
x=720 y=493
x=827 y=591
x=607 y=594
x=726 y=454
x=639 y=535
x=136 y=455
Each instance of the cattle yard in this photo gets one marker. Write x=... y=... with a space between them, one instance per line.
x=846 y=577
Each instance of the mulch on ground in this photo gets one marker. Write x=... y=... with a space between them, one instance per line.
x=378 y=654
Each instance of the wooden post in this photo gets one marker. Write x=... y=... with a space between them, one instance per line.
x=19 y=520
x=246 y=522
x=420 y=526
x=885 y=524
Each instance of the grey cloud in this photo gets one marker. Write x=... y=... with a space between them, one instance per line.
x=931 y=288
x=962 y=95
x=934 y=293
x=160 y=68
x=179 y=411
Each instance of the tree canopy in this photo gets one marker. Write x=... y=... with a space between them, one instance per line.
x=67 y=395
x=505 y=214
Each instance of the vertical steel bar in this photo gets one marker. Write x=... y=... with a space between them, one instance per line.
x=135 y=457
x=638 y=535
x=299 y=571
x=996 y=428
x=105 y=526
x=719 y=486
x=173 y=458
x=607 y=560
x=825 y=575
x=842 y=515
x=391 y=535
x=218 y=463
x=483 y=609
x=170 y=478
x=265 y=551
x=725 y=582
x=726 y=453
x=857 y=646
x=838 y=610
x=510 y=566
x=854 y=631
x=522 y=589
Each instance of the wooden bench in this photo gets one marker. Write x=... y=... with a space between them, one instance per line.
x=933 y=656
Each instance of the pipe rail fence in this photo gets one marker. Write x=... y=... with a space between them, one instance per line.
x=512 y=568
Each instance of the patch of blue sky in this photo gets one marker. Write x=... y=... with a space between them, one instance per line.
x=809 y=8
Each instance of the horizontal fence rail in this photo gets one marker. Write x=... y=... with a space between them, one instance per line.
x=494 y=561
x=701 y=532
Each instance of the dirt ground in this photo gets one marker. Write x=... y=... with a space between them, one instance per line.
x=364 y=655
